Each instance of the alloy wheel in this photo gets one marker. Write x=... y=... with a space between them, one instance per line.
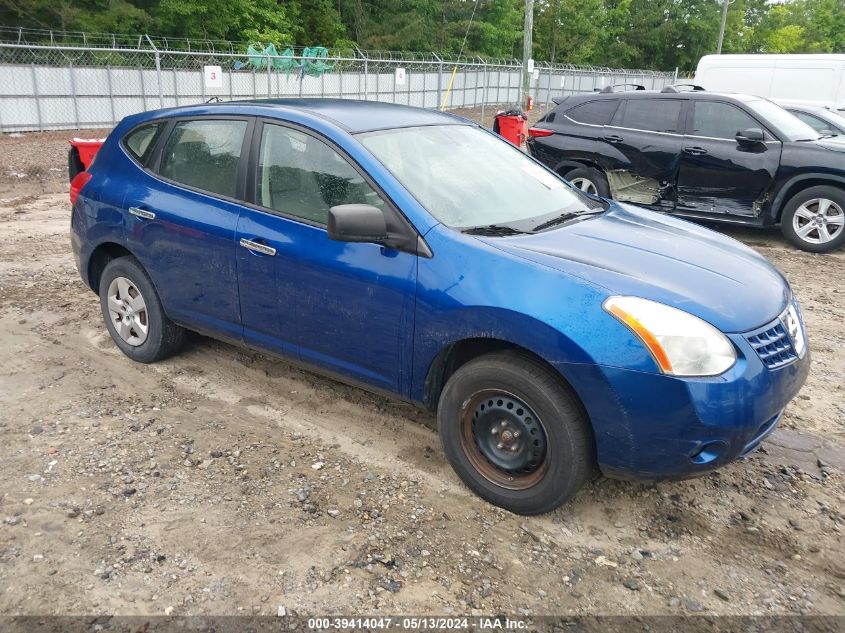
x=818 y=221
x=128 y=311
x=585 y=185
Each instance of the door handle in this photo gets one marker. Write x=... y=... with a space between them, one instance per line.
x=142 y=213
x=695 y=151
x=257 y=247
x=613 y=139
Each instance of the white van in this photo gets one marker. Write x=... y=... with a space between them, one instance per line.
x=808 y=79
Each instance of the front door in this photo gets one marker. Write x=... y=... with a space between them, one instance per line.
x=353 y=302
x=719 y=175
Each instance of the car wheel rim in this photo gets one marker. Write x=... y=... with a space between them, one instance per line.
x=128 y=311
x=818 y=221
x=587 y=186
x=504 y=440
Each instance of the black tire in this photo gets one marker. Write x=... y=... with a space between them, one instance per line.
x=811 y=242
x=163 y=337
x=595 y=176
x=568 y=456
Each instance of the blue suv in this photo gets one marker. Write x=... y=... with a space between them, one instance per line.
x=414 y=253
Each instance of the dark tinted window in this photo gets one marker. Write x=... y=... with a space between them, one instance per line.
x=300 y=175
x=595 y=112
x=204 y=154
x=139 y=142
x=653 y=115
x=719 y=120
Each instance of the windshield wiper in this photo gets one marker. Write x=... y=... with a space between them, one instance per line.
x=563 y=217
x=493 y=230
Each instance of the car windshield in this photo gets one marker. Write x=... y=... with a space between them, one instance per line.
x=468 y=178
x=793 y=128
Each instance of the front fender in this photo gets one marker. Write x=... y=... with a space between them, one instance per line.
x=472 y=290
x=788 y=188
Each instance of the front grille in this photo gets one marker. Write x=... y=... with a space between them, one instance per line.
x=773 y=345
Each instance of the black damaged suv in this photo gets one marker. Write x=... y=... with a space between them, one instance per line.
x=708 y=156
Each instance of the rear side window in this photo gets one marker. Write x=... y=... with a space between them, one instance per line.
x=651 y=115
x=719 y=120
x=204 y=154
x=140 y=141
x=595 y=112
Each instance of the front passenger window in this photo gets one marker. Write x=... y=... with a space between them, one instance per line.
x=204 y=154
x=302 y=176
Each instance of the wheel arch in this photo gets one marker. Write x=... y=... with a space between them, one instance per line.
x=100 y=257
x=458 y=353
x=797 y=184
x=566 y=166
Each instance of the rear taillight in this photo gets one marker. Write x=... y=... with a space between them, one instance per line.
x=77 y=184
x=537 y=132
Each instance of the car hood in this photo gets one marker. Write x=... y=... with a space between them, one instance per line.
x=632 y=251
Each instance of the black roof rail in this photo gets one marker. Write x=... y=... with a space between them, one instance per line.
x=674 y=88
x=609 y=89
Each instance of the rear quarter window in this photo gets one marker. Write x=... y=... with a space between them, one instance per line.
x=140 y=141
x=594 y=112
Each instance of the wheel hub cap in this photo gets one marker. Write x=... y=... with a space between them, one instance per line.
x=128 y=311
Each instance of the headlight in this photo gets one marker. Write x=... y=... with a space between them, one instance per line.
x=681 y=344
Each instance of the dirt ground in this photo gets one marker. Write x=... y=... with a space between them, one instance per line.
x=223 y=481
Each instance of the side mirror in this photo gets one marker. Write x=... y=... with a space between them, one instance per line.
x=826 y=132
x=357 y=223
x=750 y=136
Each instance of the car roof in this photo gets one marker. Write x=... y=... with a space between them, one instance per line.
x=354 y=116
x=657 y=94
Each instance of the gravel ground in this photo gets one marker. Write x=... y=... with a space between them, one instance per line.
x=223 y=481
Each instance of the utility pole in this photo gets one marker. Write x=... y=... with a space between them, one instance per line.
x=527 y=51
x=725 y=4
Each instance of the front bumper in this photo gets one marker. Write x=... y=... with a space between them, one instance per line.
x=653 y=426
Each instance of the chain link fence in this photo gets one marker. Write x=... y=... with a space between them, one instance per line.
x=57 y=86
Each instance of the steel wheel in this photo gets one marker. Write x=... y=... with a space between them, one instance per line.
x=504 y=440
x=585 y=185
x=818 y=221
x=128 y=311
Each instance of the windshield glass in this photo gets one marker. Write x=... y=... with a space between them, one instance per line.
x=789 y=125
x=467 y=177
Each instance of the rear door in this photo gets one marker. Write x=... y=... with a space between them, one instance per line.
x=644 y=138
x=717 y=174
x=182 y=219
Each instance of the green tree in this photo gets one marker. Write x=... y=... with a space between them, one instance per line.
x=255 y=20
